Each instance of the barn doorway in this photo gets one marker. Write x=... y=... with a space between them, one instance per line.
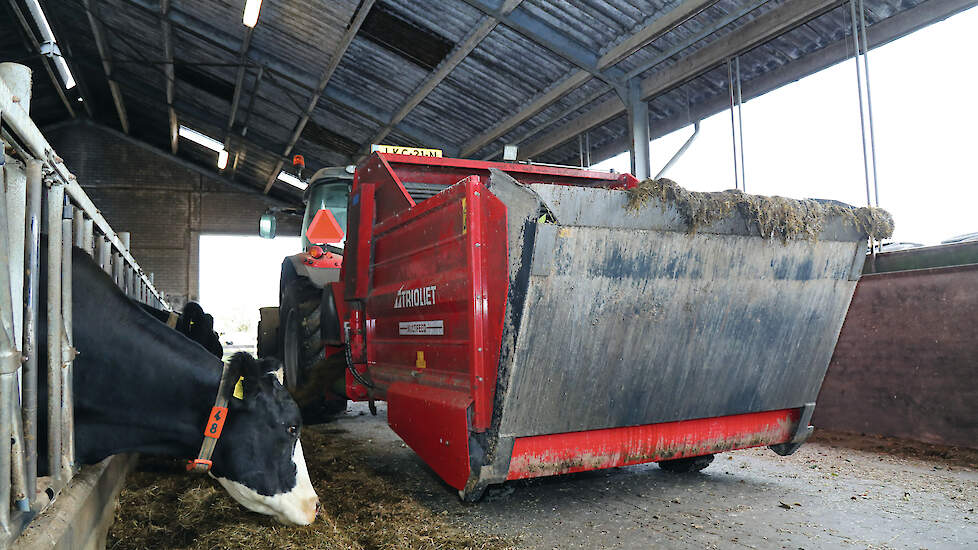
x=238 y=275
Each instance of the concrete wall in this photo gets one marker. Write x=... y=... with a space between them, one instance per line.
x=166 y=205
x=906 y=364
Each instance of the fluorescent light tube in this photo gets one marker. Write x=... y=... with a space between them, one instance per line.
x=292 y=180
x=250 y=17
x=201 y=139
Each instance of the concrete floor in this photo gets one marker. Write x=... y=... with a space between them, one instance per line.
x=823 y=496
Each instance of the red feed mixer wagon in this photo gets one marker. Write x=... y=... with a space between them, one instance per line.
x=520 y=322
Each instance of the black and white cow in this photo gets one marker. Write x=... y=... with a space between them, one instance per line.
x=193 y=323
x=140 y=386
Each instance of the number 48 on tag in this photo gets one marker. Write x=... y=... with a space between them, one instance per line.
x=216 y=422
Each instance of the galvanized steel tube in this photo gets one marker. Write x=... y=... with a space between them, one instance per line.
x=15 y=204
x=733 y=127
x=17 y=462
x=9 y=361
x=740 y=129
x=12 y=452
x=859 y=90
x=67 y=403
x=32 y=246
x=88 y=236
x=103 y=251
x=120 y=266
x=55 y=205
x=6 y=386
x=77 y=227
x=125 y=271
x=14 y=178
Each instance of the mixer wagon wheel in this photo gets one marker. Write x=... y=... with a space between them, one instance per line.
x=686 y=465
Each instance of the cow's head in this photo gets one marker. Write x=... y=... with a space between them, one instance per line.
x=258 y=458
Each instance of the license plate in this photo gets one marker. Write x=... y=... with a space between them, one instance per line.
x=416 y=151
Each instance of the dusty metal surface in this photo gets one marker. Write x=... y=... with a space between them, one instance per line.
x=905 y=362
x=661 y=326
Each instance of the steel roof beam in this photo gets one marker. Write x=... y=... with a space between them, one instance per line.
x=251 y=101
x=447 y=65
x=103 y=52
x=197 y=116
x=334 y=62
x=357 y=105
x=698 y=37
x=543 y=34
x=191 y=112
x=180 y=161
x=32 y=40
x=653 y=30
x=642 y=37
x=284 y=70
x=170 y=74
x=238 y=84
x=885 y=31
x=542 y=127
x=529 y=109
x=774 y=23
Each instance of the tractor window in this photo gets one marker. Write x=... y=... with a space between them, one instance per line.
x=327 y=195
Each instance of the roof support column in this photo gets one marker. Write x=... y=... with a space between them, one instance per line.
x=638 y=129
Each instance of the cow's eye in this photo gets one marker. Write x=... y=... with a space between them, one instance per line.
x=294 y=430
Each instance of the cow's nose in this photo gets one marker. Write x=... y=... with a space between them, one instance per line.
x=315 y=509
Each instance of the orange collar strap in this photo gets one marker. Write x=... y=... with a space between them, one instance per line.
x=212 y=431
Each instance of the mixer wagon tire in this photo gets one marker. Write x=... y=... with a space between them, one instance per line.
x=686 y=465
x=301 y=351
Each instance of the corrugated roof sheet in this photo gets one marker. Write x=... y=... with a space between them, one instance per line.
x=500 y=76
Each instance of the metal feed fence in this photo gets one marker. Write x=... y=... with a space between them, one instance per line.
x=39 y=195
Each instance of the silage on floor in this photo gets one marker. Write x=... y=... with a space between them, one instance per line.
x=361 y=510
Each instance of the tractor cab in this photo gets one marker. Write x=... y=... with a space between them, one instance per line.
x=329 y=190
x=324 y=216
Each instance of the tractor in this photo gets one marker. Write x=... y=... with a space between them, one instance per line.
x=292 y=332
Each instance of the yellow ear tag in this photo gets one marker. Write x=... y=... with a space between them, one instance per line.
x=239 y=389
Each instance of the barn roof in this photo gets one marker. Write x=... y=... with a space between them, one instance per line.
x=326 y=78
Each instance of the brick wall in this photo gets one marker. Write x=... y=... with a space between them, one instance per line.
x=163 y=204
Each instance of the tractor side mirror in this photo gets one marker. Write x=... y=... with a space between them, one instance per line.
x=266 y=225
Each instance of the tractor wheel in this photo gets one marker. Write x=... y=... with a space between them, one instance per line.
x=298 y=334
x=326 y=378
x=301 y=349
x=686 y=465
x=268 y=332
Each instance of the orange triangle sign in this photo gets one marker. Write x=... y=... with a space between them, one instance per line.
x=324 y=228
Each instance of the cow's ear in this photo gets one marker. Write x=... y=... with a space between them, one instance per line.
x=243 y=364
x=273 y=367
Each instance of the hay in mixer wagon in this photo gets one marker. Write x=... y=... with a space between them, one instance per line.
x=779 y=217
x=361 y=510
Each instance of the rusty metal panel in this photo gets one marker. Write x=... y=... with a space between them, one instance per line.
x=629 y=327
x=905 y=363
